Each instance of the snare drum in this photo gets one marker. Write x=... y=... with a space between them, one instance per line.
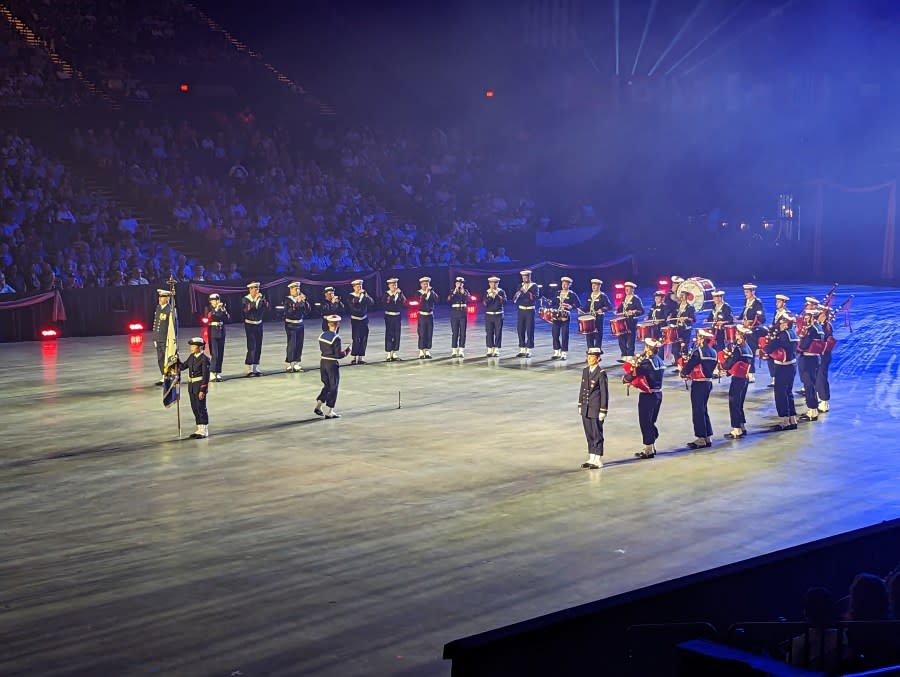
x=830 y=343
x=816 y=347
x=619 y=326
x=546 y=314
x=645 y=330
x=587 y=324
x=730 y=332
x=670 y=335
x=561 y=315
x=699 y=292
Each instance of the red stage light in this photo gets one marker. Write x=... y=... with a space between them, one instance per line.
x=472 y=297
x=49 y=333
x=204 y=320
x=413 y=304
x=663 y=283
x=184 y=88
x=489 y=93
x=135 y=327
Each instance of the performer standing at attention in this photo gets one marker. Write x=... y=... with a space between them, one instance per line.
x=329 y=367
x=296 y=308
x=163 y=315
x=217 y=316
x=394 y=303
x=494 y=299
x=593 y=401
x=196 y=366
x=525 y=297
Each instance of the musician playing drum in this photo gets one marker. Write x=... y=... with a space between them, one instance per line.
x=631 y=308
x=525 y=297
x=809 y=362
x=650 y=366
x=720 y=315
x=493 y=301
x=564 y=303
x=684 y=317
x=780 y=310
x=659 y=312
x=597 y=305
x=738 y=359
x=753 y=317
x=782 y=350
x=704 y=356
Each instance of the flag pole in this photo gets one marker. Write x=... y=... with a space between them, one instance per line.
x=178 y=400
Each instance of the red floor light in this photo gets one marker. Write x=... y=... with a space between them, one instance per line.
x=205 y=320
x=135 y=327
x=49 y=333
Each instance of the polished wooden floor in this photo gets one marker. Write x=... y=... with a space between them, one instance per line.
x=289 y=545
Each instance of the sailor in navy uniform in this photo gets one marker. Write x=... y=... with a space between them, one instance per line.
x=296 y=308
x=493 y=301
x=254 y=305
x=331 y=305
x=458 y=300
x=164 y=314
x=720 y=315
x=360 y=303
x=394 y=303
x=783 y=346
x=425 y=325
x=566 y=302
x=823 y=386
x=705 y=356
x=684 y=317
x=753 y=317
x=780 y=309
x=330 y=367
x=525 y=297
x=672 y=299
x=598 y=304
x=196 y=367
x=593 y=403
x=632 y=308
x=650 y=365
x=216 y=316
x=737 y=390
x=659 y=313
x=809 y=363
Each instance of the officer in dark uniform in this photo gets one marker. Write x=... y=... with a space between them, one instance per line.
x=459 y=301
x=782 y=350
x=631 y=308
x=650 y=366
x=720 y=315
x=394 y=303
x=330 y=367
x=296 y=308
x=593 y=401
x=809 y=363
x=196 y=367
x=737 y=391
x=254 y=306
x=684 y=317
x=494 y=299
x=216 y=316
x=705 y=356
x=360 y=303
x=525 y=297
x=565 y=303
x=658 y=313
x=425 y=325
x=753 y=317
x=162 y=317
x=331 y=305
x=598 y=304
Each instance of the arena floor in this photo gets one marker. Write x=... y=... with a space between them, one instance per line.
x=289 y=545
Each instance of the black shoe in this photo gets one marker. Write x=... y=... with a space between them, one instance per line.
x=791 y=426
x=805 y=417
x=427 y=356
x=361 y=361
x=644 y=454
x=195 y=436
x=555 y=357
x=771 y=385
x=801 y=392
x=729 y=436
x=249 y=374
x=585 y=465
x=159 y=382
x=318 y=412
x=694 y=445
x=257 y=373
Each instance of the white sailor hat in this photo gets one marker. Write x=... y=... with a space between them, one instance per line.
x=702 y=333
x=659 y=292
x=744 y=330
x=252 y=285
x=812 y=311
x=332 y=318
x=328 y=289
x=749 y=285
x=652 y=343
x=425 y=278
x=718 y=292
x=596 y=280
x=594 y=351
x=782 y=297
x=812 y=299
x=355 y=282
x=677 y=280
x=566 y=279
x=493 y=278
x=163 y=292
x=214 y=296
x=196 y=341
x=393 y=280
x=294 y=284
x=524 y=272
x=630 y=284
x=460 y=279
x=787 y=317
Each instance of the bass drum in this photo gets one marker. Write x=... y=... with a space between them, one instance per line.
x=699 y=291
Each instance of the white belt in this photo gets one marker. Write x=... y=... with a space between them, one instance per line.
x=425 y=312
x=785 y=364
x=390 y=312
x=701 y=379
x=252 y=321
x=458 y=305
x=493 y=312
x=215 y=324
x=287 y=319
x=194 y=379
x=335 y=359
x=810 y=354
x=526 y=307
x=354 y=317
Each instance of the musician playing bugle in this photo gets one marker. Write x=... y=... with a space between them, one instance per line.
x=216 y=316
x=296 y=308
x=254 y=307
x=494 y=299
x=332 y=305
x=360 y=302
x=425 y=325
x=394 y=302
x=458 y=299
x=525 y=297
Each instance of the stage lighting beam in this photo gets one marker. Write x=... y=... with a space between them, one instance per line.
x=707 y=36
x=674 y=41
x=644 y=34
x=616 y=15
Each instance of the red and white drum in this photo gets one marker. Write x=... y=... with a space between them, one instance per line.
x=645 y=330
x=587 y=324
x=546 y=314
x=817 y=347
x=699 y=291
x=670 y=335
x=619 y=326
x=730 y=332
